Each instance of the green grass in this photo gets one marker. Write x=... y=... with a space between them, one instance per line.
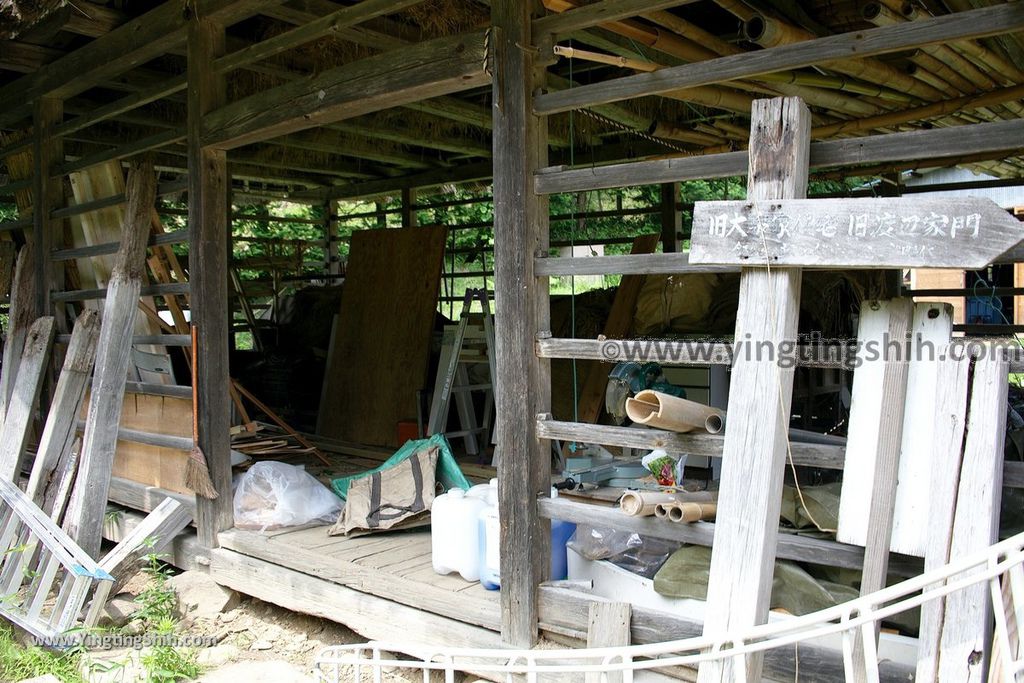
x=17 y=662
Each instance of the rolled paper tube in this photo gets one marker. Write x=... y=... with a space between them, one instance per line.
x=661 y=510
x=642 y=503
x=694 y=512
x=655 y=409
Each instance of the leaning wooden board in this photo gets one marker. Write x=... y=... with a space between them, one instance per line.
x=382 y=347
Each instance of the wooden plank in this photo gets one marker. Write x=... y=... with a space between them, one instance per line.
x=182 y=552
x=743 y=558
x=950 y=422
x=17 y=424
x=953 y=232
x=629 y=264
x=598 y=13
x=966 y=635
x=933 y=326
x=144 y=498
x=523 y=381
x=59 y=428
x=20 y=318
x=151 y=536
x=366 y=578
x=903 y=149
x=619 y=324
x=429 y=69
x=877 y=448
x=867 y=415
x=707 y=445
x=608 y=626
x=979 y=23
x=208 y=209
x=386 y=319
x=789 y=546
x=89 y=500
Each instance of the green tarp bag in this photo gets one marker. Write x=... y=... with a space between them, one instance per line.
x=448 y=473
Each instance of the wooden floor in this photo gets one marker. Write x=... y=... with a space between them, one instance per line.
x=392 y=565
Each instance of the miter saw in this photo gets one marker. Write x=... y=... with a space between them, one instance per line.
x=628 y=379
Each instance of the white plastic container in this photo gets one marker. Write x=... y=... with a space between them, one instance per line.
x=455 y=535
x=490 y=546
x=486 y=492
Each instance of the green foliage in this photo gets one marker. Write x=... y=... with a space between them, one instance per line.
x=162 y=663
x=17 y=662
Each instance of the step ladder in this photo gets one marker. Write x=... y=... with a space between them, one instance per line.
x=464 y=344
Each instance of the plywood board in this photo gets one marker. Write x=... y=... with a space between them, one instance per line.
x=152 y=465
x=382 y=347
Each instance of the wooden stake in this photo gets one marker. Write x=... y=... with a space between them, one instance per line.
x=89 y=500
x=15 y=431
x=743 y=558
x=22 y=301
x=151 y=536
x=608 y=626
x=59 y=430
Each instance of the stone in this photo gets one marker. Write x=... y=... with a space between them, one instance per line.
x=262 y=645
x=273 y=671
x=199 y=596
x=119 y=610
x=217 y=656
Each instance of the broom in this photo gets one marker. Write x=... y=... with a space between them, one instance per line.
x=197 y=473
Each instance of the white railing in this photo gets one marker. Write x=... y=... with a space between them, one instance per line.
x=45 y=578
x=1005 y=559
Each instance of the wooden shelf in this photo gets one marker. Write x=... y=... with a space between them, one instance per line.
x=790 y=546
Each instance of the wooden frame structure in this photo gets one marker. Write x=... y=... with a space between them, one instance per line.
x=255 y=117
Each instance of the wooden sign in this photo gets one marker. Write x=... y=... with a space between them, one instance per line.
x=963 y=233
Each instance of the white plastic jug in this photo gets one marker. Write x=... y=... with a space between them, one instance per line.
x=455 y=535
x=490 y=547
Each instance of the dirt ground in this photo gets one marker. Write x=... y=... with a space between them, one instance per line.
x=256 y=642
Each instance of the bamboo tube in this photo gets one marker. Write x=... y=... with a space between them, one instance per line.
x=685 y=513
x=737 y=8
x=655 y=409
x=929 y=111
x=642 y=503
x=671 y=132
x=769 y=32
x=917 y=69
x=880 y=15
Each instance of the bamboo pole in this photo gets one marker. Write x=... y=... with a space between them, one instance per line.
x=769 y=32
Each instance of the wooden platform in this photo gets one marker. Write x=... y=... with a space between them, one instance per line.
x=396 y=566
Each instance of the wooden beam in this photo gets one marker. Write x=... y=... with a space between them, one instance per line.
x=47 y=195
x=324 y=26
x=89 y=500
x=208 y=209
x=436 y=67
x=131 y=44
x=1000 y=19
x=906 y=149
x=598 y=13
x=754 y=458
x=523 y=380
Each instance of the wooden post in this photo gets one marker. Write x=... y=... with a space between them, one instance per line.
x=522 y=386
x=333 y=265
x=671 y=217
x=47 y=194
x=408 y=214
x=608 y=626
x=754 y=457
x=208 y=238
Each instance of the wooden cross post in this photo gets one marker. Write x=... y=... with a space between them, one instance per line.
x=754 y=456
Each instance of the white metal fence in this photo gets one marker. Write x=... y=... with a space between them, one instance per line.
x=998 y=564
